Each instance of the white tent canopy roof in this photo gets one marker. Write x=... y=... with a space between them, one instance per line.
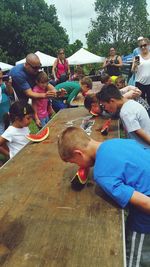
x=5 y=66
x=45 y=59
x=83 y=56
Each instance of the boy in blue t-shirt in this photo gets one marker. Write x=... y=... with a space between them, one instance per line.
x=125 y=178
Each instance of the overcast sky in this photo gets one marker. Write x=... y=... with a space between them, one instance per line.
x=75 y=16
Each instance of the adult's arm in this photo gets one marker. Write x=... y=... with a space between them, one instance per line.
x=32 y=94
x=51 y=92
x=69 y=73
x=134 y=65
x=54 y=69
x=141 y=201
x=119 y=64
x=106 y=63
x=143 y=135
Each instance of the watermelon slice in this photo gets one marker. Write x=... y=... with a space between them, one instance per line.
x=94 y=114
x=79 y=180
x=105 y=127
x=42 y=135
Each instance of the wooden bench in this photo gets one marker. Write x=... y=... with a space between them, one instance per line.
x=43 y=223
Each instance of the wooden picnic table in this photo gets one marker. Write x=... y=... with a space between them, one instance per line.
x=43 y=222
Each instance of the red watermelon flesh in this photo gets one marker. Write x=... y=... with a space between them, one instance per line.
x=94 y=114
x=105 y=127
x=42 y=135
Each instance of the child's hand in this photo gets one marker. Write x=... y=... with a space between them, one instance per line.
x=50 y=94
x=38 y=123
x=61 y=92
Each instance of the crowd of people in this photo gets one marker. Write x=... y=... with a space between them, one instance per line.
x=127 y=176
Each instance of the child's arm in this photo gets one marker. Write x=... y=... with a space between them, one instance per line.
x=141 y=133
x=3 y=147
x=141 y=201
x=37 y=120
x=130 y=92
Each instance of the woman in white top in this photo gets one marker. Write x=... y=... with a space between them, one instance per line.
x=141 y=67
x=14 y=137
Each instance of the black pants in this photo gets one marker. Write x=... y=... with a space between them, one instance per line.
x=145 y=89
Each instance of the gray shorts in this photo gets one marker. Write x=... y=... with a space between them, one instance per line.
x=138 y=249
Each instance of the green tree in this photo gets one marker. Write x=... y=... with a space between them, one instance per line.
x=119 y=23
x=72 y=48
x=30 y=25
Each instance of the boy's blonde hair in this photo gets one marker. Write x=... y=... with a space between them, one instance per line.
x=70 y=139
x=86 y=81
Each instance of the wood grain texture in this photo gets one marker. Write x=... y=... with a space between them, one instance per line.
x=43 y=223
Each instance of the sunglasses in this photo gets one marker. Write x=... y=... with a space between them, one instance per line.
x=143 y=46
x=34 y=67
x=62 y=53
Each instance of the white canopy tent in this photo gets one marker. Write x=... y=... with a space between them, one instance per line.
x=45 y=59
x=83 y=56
x=5 y=66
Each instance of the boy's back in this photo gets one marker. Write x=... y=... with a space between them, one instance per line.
x=121 y=167
x=135 y=117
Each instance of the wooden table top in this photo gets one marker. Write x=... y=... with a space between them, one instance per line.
x=43 y=223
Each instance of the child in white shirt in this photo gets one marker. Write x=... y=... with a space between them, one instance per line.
x=14 y=137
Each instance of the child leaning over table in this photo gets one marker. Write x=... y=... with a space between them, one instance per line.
x=131 y=92
x=41 y=106
x=133 y=115
x=126 y=179
x=14 y=137
x=86 y=86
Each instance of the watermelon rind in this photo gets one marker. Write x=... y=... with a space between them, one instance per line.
x=94 y=114
x=36 y=137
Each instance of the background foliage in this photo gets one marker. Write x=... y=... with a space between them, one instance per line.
x=119 y=23
x=30 y=25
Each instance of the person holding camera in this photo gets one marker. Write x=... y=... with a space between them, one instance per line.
x=5 y=91
x=113 y=63
x=141 y=68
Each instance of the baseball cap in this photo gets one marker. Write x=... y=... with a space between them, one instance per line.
x=140 y=38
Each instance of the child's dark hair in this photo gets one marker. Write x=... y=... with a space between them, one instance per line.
x=17 y=110
x=104 y=78
x=89 y=100
x=42 y=77
x=107 y=92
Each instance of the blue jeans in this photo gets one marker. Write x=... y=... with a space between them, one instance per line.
x=44 y=121
x=58 y=104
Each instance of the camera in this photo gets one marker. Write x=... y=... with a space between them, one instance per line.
x=6 y=78
x=137 y=58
